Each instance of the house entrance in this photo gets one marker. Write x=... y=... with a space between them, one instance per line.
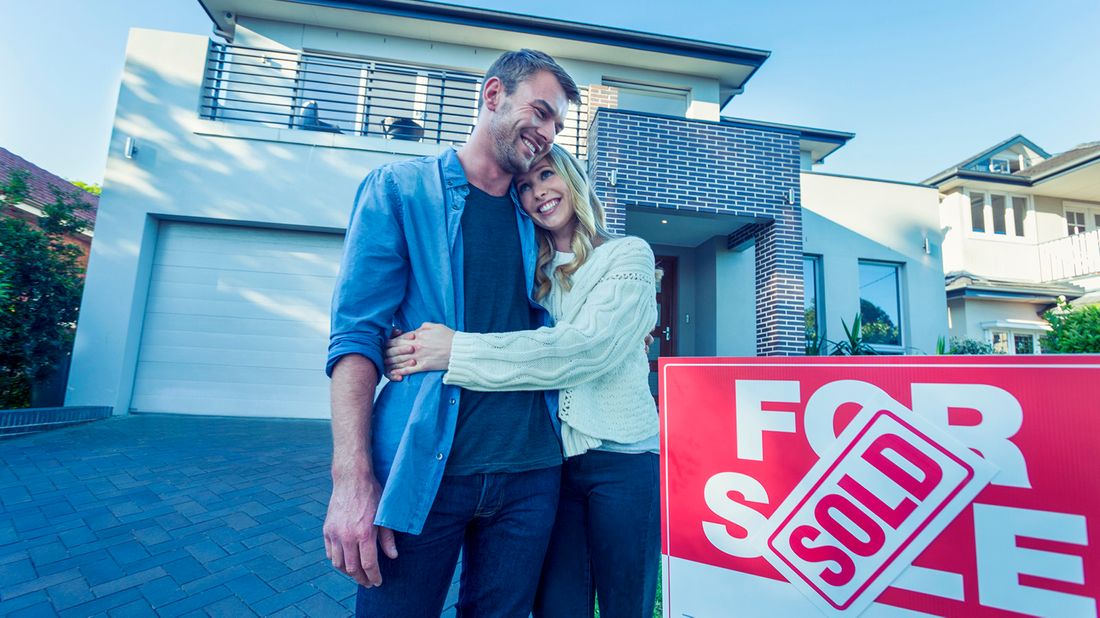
x=664 y=335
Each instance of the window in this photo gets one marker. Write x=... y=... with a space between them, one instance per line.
x=814 y=301
x=1075 y=222
x=1025 y=344
x=880 y=303
x=999 y=341
x=1013 y=342
x=395 y=101
x=977 y=212
x=667 y=100
x=998 y=204
x=1005 y=215
x=1019 y=212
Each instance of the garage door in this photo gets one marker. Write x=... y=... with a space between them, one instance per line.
x=237 y=321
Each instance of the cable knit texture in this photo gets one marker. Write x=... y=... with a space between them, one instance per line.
x=593 y=353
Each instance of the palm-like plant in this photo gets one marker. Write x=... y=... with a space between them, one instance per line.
x=854 y=344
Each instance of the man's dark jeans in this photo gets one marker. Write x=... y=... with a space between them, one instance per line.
x=606 y=539
x=502 y=523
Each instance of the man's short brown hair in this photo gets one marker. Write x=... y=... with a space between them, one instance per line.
x=513 y=67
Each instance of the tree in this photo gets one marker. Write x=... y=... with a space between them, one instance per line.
x=1074 y=330
x=42 y=281
x=94 y=189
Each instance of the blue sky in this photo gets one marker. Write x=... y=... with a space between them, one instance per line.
x=922 y=84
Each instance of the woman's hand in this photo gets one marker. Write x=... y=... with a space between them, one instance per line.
x=427 y=348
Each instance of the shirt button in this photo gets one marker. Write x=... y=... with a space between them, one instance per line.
x=439 y=456
x=453 y=402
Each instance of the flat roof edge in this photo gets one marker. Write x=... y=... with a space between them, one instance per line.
x=516 y=22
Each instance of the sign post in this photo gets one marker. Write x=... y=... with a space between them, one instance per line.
x=881 y=486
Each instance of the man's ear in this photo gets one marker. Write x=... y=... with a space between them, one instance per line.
x=491 y=93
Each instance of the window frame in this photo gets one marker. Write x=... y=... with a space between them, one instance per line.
x=1011 y=233
x=818 y=261
x=1091 y=216
x=1011 y=334
x=899 y=268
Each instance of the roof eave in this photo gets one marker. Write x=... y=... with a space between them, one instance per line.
x=502 y=20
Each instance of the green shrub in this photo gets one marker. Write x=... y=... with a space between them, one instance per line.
x=969 y=346
x=40 y=286
x=1074 y=330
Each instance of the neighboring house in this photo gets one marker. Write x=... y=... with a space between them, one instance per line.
x=233 y=165
x=40 y=193
x=1022 y=227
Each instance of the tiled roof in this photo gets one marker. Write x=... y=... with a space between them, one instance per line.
x=962 y=280
x=39 y=182
x=1078 y=152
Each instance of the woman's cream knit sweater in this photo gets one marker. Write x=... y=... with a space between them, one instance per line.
x=593 y=353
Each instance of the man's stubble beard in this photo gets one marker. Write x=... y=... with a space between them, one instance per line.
x=504 y=142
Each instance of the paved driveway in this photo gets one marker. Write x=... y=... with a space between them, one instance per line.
x=168 y=515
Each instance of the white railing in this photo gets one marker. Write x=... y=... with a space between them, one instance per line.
x=1072 y=256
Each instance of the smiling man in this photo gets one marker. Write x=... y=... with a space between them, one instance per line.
x=428 y=469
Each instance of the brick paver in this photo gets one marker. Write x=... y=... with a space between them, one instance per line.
x=166 y=515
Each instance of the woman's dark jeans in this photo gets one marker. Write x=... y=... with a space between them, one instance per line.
x=606 y=538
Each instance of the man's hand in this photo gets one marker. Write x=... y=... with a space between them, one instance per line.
x=648 y=342
x=351 y=538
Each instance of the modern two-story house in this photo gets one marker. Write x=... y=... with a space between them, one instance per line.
x=1021 y=228
x=234 y=161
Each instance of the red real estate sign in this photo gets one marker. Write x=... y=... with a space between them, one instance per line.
x=903 y=486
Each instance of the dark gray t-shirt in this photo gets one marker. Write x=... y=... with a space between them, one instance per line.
x=498 y=431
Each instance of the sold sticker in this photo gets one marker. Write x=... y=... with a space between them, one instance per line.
x=868 y=507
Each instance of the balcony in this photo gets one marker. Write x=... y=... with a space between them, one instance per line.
x=310 y=91
x=1073 y=256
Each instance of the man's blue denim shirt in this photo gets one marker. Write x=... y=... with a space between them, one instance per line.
x=402 y=266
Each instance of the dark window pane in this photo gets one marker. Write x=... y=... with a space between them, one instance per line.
x=1025 y=344
x=811 y=302
x=879 y=303
x=977 y=212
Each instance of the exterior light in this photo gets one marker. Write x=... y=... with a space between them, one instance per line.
x=664 y=220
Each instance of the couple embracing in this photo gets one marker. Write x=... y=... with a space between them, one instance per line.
x=518 y=427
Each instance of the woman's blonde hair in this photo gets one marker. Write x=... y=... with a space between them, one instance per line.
x=591 y=228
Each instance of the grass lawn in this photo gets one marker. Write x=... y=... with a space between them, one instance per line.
x=656 y=608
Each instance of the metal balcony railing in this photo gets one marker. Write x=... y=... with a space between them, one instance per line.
x=321 y=92
x=1073 y=256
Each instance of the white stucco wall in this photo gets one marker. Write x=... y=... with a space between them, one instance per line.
x=968 y=316
x=995 y=256
x=198 y=170
x=850 y=219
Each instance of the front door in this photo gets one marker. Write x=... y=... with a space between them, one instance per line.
x=664 y=335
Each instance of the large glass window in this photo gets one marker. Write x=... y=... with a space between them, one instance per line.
x=880 y=302
x=814 y=299
x=977 y=212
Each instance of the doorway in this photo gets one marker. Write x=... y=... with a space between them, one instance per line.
x=665 y=333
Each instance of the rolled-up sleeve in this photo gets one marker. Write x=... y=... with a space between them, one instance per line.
x=373 y=273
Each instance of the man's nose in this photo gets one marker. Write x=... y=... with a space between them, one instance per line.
x=546 y=130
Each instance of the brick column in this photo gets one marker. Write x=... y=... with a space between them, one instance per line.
x=780 y=323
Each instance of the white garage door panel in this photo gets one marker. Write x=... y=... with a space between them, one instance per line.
x=170 y=323
x=237 y=322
